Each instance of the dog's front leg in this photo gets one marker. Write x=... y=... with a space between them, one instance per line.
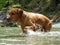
x=23 y=29
x=26 y=28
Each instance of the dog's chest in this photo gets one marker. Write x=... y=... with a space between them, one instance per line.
x=27 y=22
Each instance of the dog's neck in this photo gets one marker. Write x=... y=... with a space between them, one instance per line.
x=24 y=17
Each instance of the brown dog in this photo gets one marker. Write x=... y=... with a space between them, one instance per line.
x=29 y=20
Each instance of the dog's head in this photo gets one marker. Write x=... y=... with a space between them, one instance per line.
x=15 y=14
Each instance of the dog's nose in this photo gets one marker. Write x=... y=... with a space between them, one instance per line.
x=8 y=19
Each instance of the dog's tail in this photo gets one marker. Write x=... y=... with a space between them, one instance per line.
x=54 y=17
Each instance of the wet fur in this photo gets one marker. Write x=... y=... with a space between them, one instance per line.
x=30 y=20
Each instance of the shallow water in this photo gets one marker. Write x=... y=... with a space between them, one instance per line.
x=14 y=36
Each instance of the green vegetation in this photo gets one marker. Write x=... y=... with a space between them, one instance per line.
x=2 y=2
x=40 y=6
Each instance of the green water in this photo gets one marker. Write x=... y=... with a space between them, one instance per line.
x=11 y=36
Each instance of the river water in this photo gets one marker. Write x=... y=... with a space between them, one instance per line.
x=14 y=36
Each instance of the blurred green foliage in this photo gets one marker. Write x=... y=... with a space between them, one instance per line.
x=40 y=6
x=2 y=2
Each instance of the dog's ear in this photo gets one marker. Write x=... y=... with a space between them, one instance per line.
x=20 y=12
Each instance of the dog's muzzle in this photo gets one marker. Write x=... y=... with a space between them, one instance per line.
x=8 y=16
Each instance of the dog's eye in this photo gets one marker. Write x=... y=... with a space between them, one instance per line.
x=12 y=13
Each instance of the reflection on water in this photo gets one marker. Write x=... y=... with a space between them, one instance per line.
x=31 y=40
x=13 y=37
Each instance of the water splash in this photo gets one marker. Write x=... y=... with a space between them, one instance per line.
x=52 y=33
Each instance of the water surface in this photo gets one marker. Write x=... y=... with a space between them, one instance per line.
x=14 y=36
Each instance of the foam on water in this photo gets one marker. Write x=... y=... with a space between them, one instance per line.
x=52 y=33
